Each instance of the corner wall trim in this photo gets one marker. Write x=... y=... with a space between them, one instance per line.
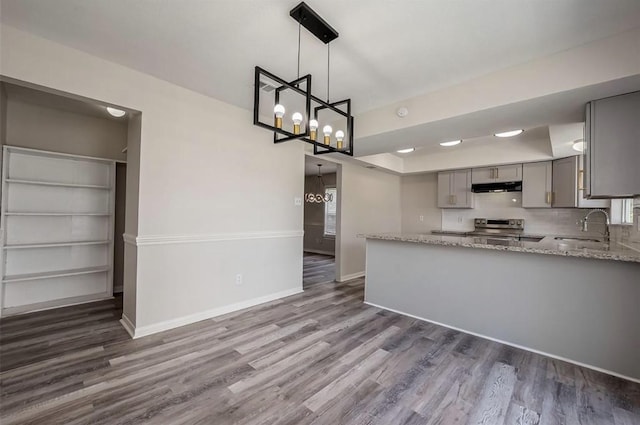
x=215 y=237
x=138 y=332
x=553 y=356
x=128 y=326
x=129 y=239
x=350 y=276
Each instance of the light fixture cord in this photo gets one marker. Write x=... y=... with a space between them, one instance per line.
x=320 y=177
x=328 y=72
x=299 y=49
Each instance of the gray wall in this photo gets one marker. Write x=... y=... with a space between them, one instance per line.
x=585 y=310
x=369 y=202
x=314 y=239
x=419 y=197
x=41 y=127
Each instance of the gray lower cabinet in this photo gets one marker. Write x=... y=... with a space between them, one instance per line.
x=454 y=189
x=537 y=186
x=612 y=147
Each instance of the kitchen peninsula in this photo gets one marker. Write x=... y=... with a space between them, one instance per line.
x=573 y=300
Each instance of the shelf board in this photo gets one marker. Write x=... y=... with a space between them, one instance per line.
x=57 y=273
x=56 y=244
x=55 y=214
x=43 y=183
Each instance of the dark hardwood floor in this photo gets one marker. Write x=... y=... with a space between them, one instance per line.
x=320 y=357
x=318 y=268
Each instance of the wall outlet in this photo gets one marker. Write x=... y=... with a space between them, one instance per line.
x=421 y=218
x=297 y=201
x=459 y=219
x=238 y=279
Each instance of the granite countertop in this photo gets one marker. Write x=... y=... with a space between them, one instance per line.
x=618 y=251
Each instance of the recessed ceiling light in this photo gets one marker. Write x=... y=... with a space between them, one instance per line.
x=509 y=133
x=406 y=150
x=115 y=112
x=451 y=143
x=578 y=145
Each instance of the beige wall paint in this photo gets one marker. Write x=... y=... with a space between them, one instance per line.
x=369 y=201
x=314 y=238
x=207 y=185
x=40 y=127
x=419 y=197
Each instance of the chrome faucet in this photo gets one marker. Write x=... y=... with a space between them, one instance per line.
x=585 y=223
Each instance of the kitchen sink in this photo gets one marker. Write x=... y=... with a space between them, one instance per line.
x=577 y=239
x=531 y=238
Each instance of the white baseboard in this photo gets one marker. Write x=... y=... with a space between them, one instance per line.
x=350 y=276
x=319 y=251
x=553 y=356
x=138 y=332
x=128 y=326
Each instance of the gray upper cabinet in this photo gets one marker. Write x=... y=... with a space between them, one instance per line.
x=612 y=147
x=501 y=173
x=454 y=189
x=536 y=185
x=565 y=182
x=567 y=185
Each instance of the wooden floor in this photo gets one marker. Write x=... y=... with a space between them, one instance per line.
x=318 y=268
x=320 y=357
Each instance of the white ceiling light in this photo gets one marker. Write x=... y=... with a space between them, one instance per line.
x=451 y=143
x=509 y=133
x=115 y=112
x=406 y=150
x=578 y=145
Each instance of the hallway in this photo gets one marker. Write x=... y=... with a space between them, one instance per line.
x=317 y=268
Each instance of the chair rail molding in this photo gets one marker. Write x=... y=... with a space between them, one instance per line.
x=212 y=237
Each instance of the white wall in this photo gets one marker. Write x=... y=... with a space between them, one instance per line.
x=208 y=188
x=45 y=128
x=419 y=198
x=369 y=202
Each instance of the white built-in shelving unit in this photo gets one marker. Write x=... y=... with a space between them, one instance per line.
x=57 y=229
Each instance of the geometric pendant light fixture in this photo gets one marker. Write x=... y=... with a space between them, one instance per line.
x=320 y=195
x=289 y=108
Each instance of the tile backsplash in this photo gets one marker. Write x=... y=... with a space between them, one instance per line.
x=538 y=221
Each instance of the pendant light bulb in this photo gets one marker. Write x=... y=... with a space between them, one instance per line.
x=327 y=130
x=278 y=111
x=297 y=119
x=313 y=127
x=339 y=138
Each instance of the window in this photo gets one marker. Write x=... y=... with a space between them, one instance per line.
x=622 y=211
x=330 y=211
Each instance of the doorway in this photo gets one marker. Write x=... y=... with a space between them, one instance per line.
x=320 y=221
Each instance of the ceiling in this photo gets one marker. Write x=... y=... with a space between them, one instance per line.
x=388 y=50
x=28 y=95
x=311 y=166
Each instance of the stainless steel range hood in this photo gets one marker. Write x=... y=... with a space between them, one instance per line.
x=497 y=187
